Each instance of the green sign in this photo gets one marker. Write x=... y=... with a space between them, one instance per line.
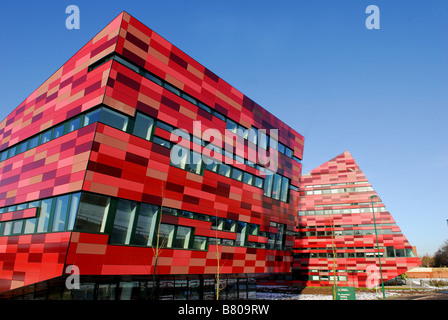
x=345 y=293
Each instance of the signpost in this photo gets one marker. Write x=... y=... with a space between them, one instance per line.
x=345 y=293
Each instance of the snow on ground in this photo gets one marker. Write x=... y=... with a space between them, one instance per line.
x=421 y=285
x=292 y=296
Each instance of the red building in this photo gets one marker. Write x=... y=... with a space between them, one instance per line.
x=337 y=230
x=87 y=179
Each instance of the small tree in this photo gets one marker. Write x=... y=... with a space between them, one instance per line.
x=441 y=256
x=157 y=248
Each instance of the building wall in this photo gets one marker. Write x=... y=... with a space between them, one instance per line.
x=95 y=158
x=335 y=211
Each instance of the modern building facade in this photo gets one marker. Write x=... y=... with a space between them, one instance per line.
x=336 y=230
x=89 y=185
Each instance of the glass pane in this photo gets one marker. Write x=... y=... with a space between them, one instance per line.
x=60 y=213
x=224 y=170
x=4 y=156
x=92 y=117
x=74 y=124
x=183 y=237
x=237 y=174
x=12 y=152
x=180 y=157
x=46 y=136
x=258 y=182
x=114 y=119
x=92 y=213
x=200 y=243
x=166 y=235
x=33 y=143
x=169 y=87
x=281 y=148
x=30 y=226
x=204 y=107
x=58 y=131
x=8 y=228
x=73 y=210
x=189 y=98
x=231 y=126
x=268 y=185
x=17 y=229
x=44 y=215
x=146 y=222
x=124 y=219
x=162 y=142
x=23 y=147
x=248 y=178
x=285 y=189
x=196 y=163
x=153 y=78
x=143 y=126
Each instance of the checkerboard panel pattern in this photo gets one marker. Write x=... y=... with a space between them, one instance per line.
x=27 y=259
x=94 y=256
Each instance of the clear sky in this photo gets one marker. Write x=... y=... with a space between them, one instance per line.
x=381 y=94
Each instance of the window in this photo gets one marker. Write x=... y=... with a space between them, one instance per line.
x=180 y=157
x=204 y=107
x=166 y=235
x=241 y=235
x=276 y=187
x=92 y=213
x=224 y=170
x=171 y=88
x=262 y=140
x=285 y=189
x=231 y=125
x=212 y=166
x=253 y=134
x=219 y=116
x=114 y=119
x=17 y=228
x=162 y=142
x=195 y=164
x=33 y=143
x=146 y=222
x=46 y=136
x=237 y=174
x=92 y=117
x=189 y=98
x=268 y=185
x=74 y=124
x=281 y=148
x=59 y=131
x=248 y=178
x=23 y=147
x=153 y=78
x=200 y=243
x=143 y=126
x=258 y=182
x=74 y=203
x=30 y=226
x=124 y=219
x=44 y=215
x=60 y=214
x=164 y=126
x=183 y=236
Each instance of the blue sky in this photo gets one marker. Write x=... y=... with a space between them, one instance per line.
x=381 y=94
